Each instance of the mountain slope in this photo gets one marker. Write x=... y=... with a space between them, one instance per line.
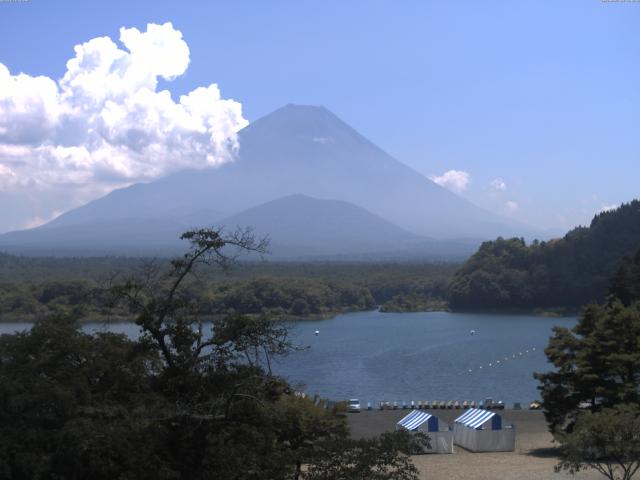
x=304 y=149
x=568 y=272
x=297 y=149
x=299 y=228
x=125 y=236
x=299 y=225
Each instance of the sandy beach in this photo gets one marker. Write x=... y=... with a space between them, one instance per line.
x=533 y=459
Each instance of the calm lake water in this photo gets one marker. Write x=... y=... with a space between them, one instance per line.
x=378 y=356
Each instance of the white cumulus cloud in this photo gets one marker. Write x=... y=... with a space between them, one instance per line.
x=454 y=180
x=105 y=122
x=499 y=185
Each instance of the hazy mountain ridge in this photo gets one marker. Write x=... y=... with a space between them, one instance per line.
x=294 y=150
x=305 y=227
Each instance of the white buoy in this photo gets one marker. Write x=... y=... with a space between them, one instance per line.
x=480 y=366
x=317 y=332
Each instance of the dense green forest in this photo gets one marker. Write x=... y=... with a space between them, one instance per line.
x=561 y=274
x=566 y=273
x=591 y=396
x=179 y=402
x=32 y=287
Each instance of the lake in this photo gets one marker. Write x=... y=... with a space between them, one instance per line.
x=378 y=356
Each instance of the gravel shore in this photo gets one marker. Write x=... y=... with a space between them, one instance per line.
x=533 y=459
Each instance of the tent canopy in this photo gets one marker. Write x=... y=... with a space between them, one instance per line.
x=417 y=418
x=476 y=418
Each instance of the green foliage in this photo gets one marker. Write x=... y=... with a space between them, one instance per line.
x=304 y=427
x=290 y=297
x=414 y=303
x=607 y=441
x=383 y=458
x=597 y=364
x=179 y=403
x=32 y=288
x=568 y=272
x=67 y=398
x=591 y=398
x=101 y=406
x=625 y=284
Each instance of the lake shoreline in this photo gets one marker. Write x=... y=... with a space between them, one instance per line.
x=204 y=318
x=536 y=312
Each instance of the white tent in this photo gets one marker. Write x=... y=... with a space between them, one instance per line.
x=441 y=441
x=482 y=431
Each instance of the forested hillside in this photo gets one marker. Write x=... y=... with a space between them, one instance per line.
x=567 y=273
x=625 y=285
x=32 y=288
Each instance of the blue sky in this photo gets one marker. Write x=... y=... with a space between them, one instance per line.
x=542 y=96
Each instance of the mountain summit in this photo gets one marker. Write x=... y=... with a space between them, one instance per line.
x=294 y=150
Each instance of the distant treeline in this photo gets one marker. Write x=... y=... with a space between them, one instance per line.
x=561 y=274
x=31 y=288
x=566 y=273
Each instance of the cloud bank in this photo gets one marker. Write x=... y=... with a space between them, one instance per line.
x=105 y=124
x=454 y=180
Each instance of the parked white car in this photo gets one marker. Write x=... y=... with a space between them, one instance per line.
x=354 y=405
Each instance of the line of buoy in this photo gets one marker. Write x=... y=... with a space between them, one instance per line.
x=506 y=358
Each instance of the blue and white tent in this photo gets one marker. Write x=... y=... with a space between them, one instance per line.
x=416 y=419
x=482 y=431
x=441 y=441
x=476 y=418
